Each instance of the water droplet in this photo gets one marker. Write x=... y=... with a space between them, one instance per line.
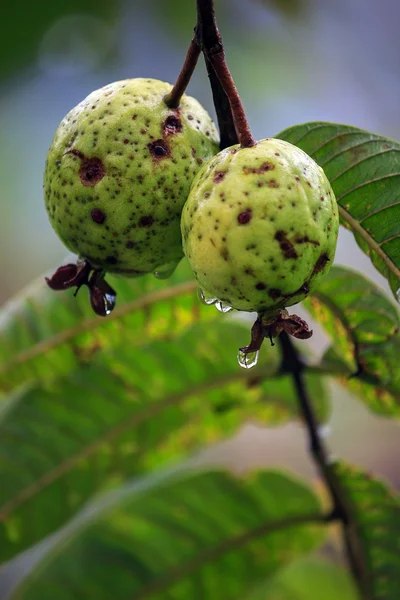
x=324 y=431
x=165 y=271
x=109 y=303
x=205 y=297
x=247 y=360
x=223 y=307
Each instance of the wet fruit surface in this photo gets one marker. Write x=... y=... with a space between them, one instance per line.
x=119 y=171
x=260 y=226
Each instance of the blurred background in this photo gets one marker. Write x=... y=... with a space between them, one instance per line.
x=293 y=61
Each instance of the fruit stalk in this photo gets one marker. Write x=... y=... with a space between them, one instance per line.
x=210 y=41
x=173 y=99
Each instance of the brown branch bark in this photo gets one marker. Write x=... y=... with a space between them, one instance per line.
x=341 y=508
x=231 y=116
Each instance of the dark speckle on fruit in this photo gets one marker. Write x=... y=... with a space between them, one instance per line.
x=172 y=125
x=266 y=166
x=321 y=263
x=146 y=221
x=244 y=217
x=288 y=249
x=159 y=149
x=219 y=175
x=274 y=293
x=98 y=216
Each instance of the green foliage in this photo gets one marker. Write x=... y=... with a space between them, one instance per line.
x=44 y=334
x=364 y=170
x=206 y=535
x=377 y=515
x=363 y=326
x=125 y=412
x=308 y=579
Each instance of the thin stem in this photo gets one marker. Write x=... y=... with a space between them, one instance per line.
x=172 y=100
x=209 y=38
x=292 y=363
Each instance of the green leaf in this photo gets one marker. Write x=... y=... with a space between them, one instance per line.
x=206 y=535
x=364 y=170
x=44 y=334
x=125 y=412
x=364 y=328
x=308 y=579
x=376 y=511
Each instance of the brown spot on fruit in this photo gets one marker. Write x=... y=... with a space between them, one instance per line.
x=92 y=169
x=98 y=216
x=321 y=263
x=224 y=253
x=146 y=221
x=274 y=293
x=112 y=260
x=260 y=286
x=130 y=245
x=219 y=175
x=244 y=217
x=266 y=166
x=286 y=245
x=159 y=149
x=273 y=184
x=306 y=240
x=172 y=125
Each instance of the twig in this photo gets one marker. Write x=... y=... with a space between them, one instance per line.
x=173 y=99
x=210 y=41
x=293 y=364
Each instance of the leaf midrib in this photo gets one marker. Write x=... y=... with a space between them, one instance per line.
x=357 y=227
x=212 y=554
x=93 y=323
x=149 y=411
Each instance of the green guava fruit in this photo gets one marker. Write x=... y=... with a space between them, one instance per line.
x=260 y=226
x=118 y=173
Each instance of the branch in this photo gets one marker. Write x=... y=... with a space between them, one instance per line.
x=231 y=116
x=210 y=40
x=292 y=363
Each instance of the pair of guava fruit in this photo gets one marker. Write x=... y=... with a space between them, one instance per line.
x=131 y=184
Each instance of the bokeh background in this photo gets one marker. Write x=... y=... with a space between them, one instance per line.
x=293 y=61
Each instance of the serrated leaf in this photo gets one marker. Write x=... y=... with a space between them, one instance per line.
x=308 y=579
x=376 y=512
x=364 y=328
x=44 y=334
x=364 y=170
x=126 y=412
x=206 y=535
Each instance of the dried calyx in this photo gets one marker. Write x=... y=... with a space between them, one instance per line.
x=102 y=295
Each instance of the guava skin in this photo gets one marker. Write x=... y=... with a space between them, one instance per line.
x=118 y=173
x=260 y=226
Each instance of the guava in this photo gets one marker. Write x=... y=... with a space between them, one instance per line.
x=118 y=173
x=260 y=227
